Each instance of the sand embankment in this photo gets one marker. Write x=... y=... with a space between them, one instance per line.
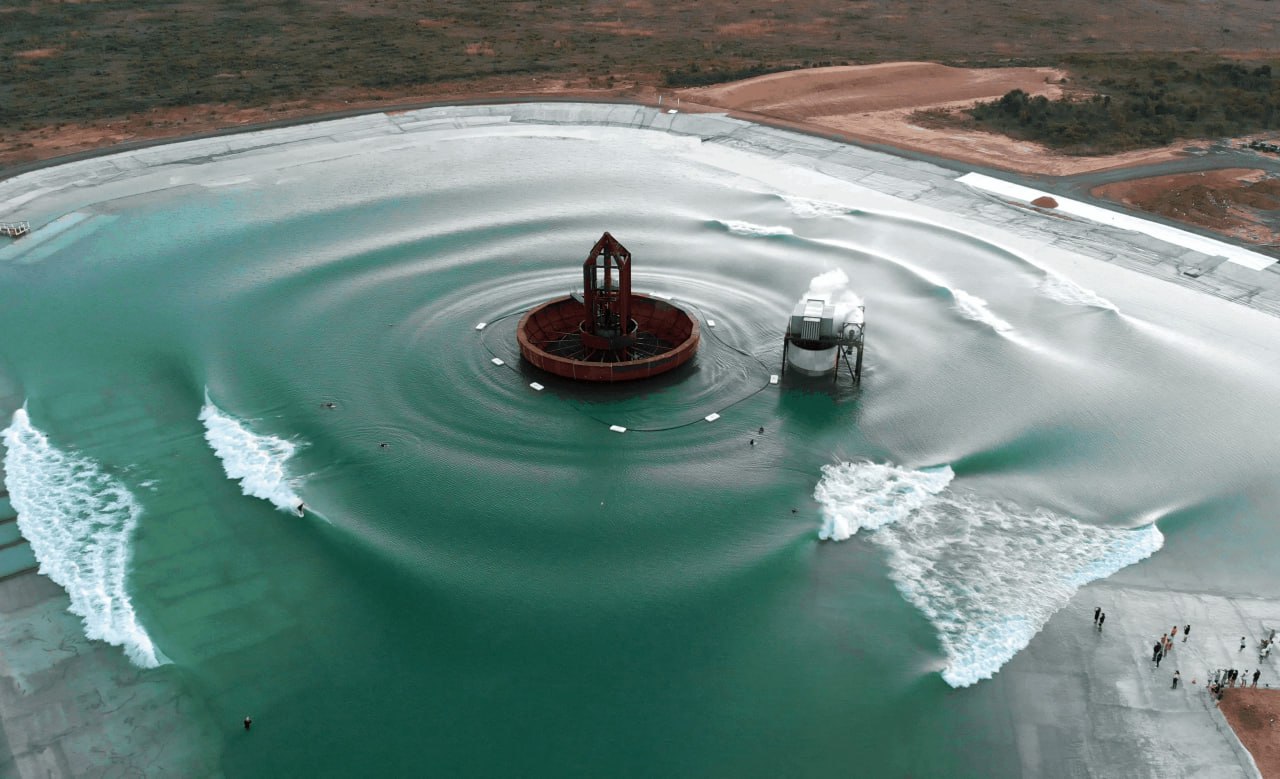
x=878 y=103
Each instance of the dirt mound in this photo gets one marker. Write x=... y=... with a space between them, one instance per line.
x=1252 y=714
x=1240 y=202
x=816 y=92
x=896 y=103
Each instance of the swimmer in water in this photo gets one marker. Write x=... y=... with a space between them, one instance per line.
x=384 y=445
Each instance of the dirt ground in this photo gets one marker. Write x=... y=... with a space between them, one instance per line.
x=881 y=104
x=1253 y=714
x=1239 y=202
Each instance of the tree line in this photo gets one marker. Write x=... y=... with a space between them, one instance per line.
x=1143 y=107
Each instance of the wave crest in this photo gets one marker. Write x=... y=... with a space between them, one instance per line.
x=1067 y=292
x=806 y=208
x=78 y=520
x=975 y=308
x=256 y=461
x=754 y=230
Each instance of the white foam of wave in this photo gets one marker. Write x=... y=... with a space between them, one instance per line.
x=975 y=308
x=256 y=461
x=754 y=230
x=813 y=209
x=967 y=305
x=1067 y=292
x=988 y=576
x=78 y=520
x=833 y=287
x=857 y=496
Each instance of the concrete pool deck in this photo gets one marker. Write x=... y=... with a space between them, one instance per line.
x=45 y=195
x=1081 y=702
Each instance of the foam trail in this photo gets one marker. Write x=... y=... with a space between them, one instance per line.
x=1067 y=292
x=78 y=520
x=975 y=308
x=987 y=575
x=754 y=230
x=833 y=287
x=256 y=461
x=858 y=496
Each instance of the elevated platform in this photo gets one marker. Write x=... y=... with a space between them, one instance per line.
x=15 y=229
x=550 y=337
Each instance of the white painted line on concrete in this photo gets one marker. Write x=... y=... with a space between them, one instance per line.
x=497 y=361
x=536 y=386
x=1173 y=235
x=617 y=428
x=711 y=417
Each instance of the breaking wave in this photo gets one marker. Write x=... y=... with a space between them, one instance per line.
x=256 y=461
x=968 y=305
x=814 y=209
x=78 y=520
x=1067 y=292
x=975 y=308
x=757 y=231
x=858 y=496
x=987 y=575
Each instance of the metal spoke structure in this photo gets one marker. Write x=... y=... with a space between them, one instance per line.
x=608 y=333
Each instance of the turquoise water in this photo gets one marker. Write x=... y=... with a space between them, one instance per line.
x=507 y=587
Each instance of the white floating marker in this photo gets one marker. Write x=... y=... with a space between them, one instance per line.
x=711 y=417
x=481 y=325
x=536 y=386
x=617 y=428
x=773 y=378
x=497 y=361
x=671 y=110
x=711 y=323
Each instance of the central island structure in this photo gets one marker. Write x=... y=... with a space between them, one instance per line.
x=609 y=333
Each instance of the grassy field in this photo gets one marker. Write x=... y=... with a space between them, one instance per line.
x=92 y=61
